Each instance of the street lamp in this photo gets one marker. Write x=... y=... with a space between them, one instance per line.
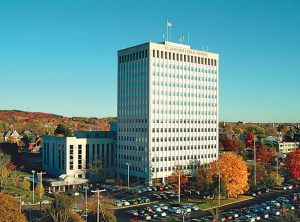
x=98 y=202
x=33 y=172
x=128 y=166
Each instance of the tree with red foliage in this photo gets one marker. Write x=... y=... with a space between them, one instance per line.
x=250 y=140
x=233 y=144
x=173 y=178
x=293 y=164
x=265 y=154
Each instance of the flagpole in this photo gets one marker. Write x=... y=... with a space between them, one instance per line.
x=170 y=33
x=167 y=30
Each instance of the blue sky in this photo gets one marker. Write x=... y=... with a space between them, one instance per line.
x=59 y=56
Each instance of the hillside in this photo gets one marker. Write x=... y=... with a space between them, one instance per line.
x=45 y=123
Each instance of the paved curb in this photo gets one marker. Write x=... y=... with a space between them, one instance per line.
x=222 y=205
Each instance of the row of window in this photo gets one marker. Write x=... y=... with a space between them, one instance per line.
x=184 y=68
x=183 y=103
x=183 y=85
x=166 y=139
x=173 y=148
x=182 y=157
x=163 y=111
x=187 y=77
x=166 y=169
x=183 y=58
x=183 y=129
x=209 y=95
x=133 y=56
x=186 y=121
x=136 y=148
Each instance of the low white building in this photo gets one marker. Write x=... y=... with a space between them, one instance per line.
x=286 y=147
x=88 y=155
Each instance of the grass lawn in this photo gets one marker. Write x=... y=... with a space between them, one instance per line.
x=17 y=191
x=212 y=204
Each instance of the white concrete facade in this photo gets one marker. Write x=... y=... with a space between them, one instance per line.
x=74 y=156
x=167 y=110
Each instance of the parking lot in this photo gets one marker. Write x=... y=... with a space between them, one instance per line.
x=264 y=207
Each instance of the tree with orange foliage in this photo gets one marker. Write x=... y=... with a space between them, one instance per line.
x=265 y=154
x=234 y=174
x=174 y=177
x=10 y=209
x=293 y=164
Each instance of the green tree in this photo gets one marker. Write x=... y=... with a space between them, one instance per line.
x=60 y=209
x=62 y=129
x=25 y=184
x=15 y=179
x=4 y=169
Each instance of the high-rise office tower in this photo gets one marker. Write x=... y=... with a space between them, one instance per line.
x=167 y=110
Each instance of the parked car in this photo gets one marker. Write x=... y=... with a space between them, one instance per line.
x=250 y=193
x=163 y=206
x=144 y=217
x=155 y=197
x=145 y=199
x=194 y=207
x=186 y=208
x=288 y=186
x=175 y=210
x=153 y=215
x=118 y=203
x=280 y=187
x=288 y=206
x=157 y=208
x=265 y=206
x=247 y=218
x=273 y=203
x=274 y=212
x=125 y=202
x=265 y=190
x=162 y=214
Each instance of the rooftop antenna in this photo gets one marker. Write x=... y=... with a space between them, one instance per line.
x=181 y=39
x=207 y=48
x=188 y=38
x=163 y=36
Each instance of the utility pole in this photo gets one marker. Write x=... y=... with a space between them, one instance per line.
x=128 y=166
x=40 y=175
x=33 y=172
x=276 y=169
x=254 y=163
x=98 y=203
x=86 y=210
x=179 y=183
x=20 y=199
